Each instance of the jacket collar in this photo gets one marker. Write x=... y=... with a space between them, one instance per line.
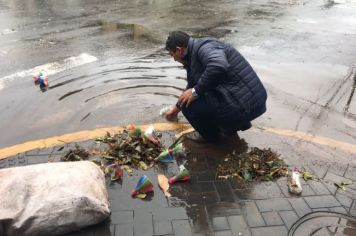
x=188 y=52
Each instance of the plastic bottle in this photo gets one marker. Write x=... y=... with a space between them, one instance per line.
x=164 y=110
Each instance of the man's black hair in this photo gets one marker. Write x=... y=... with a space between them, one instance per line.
x=177 y=39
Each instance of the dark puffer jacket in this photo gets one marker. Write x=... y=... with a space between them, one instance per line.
x=220 y=73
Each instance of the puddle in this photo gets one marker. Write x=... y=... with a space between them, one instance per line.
x=133 y=32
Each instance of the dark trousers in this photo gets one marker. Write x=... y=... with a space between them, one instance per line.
x=202 y=117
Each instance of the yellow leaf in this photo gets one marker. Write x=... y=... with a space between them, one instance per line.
x=164 y=185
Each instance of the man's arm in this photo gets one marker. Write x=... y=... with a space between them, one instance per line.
x=214 y=60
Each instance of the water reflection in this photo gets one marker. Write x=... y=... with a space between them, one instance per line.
x=206 y=195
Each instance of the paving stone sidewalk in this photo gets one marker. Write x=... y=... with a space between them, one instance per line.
x=208 y=205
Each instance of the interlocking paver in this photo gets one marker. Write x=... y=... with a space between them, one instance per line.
x=318 y=188
x=181 y=228
x=275 y=204
x=223 y=233
x=288 y=217
x=263 y=190
x=351 y=173
x=338 y=210
x=143 y=224
x=269 y=231
x=224 y=209
x=322 y=201
x=353 y=209
x=121 y=217
x=225 y=191
x=207 y=186
x=220 y=223
x=162 y=228
x=343 y=199
x=37 y=159
x=169 y=213
x=307 y=191
x=238 y=225
x=318 y=169
x=272 y=218
x=210 y=197
x=300 y=206
x=337 y=169
x=124 y=229
x=252 y=215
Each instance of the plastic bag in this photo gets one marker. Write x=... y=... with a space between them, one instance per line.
x=52 y=198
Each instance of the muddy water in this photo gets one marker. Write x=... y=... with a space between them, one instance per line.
x=303 y=51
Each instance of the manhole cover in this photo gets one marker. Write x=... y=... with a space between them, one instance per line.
x=324 y=223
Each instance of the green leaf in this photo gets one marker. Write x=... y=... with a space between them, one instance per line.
x=347 y=182
x=340 y=186
x=246 y=175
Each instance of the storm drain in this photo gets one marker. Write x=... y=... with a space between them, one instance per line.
x=324 y=223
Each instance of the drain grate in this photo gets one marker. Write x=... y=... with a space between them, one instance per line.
x=324 y=223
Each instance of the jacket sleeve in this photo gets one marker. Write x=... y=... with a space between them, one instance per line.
x=213 y=59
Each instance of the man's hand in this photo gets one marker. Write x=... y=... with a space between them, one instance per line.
x=186 y=98
x=172 y=114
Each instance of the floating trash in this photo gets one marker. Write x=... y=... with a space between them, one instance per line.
x=294 y=185
x=41 y=79
x=164 y=110
x=144 y=185
x=183 y=175
x=258 y=165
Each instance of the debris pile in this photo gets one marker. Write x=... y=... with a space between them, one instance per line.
x=76 y=154
x=129 y=149
x=255 y=165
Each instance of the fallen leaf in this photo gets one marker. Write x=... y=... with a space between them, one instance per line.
x=340 y=186
x=346 y=182
x=143 y=165
x=307 y=175
x=164 y=185
x=127 y=169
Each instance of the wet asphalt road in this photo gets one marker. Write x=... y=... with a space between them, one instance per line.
x=109 y=68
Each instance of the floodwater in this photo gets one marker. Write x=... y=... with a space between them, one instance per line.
x=107 y=66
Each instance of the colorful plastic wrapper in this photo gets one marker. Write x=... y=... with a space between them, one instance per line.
x=41 y=79
x=134 y=131
x=151 y=135
x=167 y=155
x=183 y=175
x=114 y=171
x=144 y=185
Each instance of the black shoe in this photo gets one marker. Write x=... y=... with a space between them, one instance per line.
x=245 y=126
x=196 y=137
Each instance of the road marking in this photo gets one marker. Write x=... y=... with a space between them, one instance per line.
x=78 y=136
x=50 y=68
x=91 y=134
x=312 y=138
